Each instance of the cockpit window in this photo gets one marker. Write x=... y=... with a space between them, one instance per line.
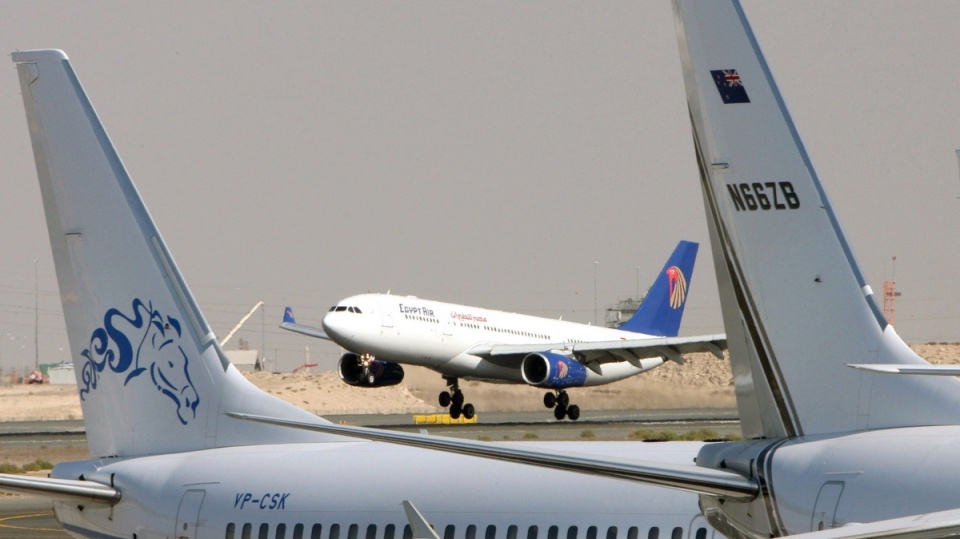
x=352 y=309
x=332 y=309
x=357 y=310
x=341 y=308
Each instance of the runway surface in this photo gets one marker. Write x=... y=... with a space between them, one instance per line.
x=32 y=518
x=28 y=518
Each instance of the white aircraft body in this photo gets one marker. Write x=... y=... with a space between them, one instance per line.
x=171 y=455
x=848 y=432
x=383 y=331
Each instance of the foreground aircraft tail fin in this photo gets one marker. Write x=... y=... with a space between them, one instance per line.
x=662 y=308
x=151 y=375
x=796 y=306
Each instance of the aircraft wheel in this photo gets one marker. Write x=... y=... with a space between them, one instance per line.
x=455 y=411
x=573 y=412
x=458 y=398
x=549 y=400
x=563 y=399
x=559 y=412
x=445 y=399
x=468 y=411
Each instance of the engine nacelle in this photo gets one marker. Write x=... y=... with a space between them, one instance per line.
x=547 y=369
x=378 y=373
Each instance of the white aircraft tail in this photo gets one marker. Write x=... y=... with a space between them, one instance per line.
x=151 y=375
x=796 y=306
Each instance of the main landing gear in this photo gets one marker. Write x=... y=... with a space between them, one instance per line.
x=560 y=402
x=454 y=399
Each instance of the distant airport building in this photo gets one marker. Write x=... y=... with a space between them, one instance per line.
x=621 y=311
x=61 y=374
x=244 y=360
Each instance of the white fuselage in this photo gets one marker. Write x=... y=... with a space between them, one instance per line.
x=440 y=336
x=353 y=490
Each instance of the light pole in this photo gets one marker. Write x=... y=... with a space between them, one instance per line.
x=36 y=318
x=595 y=292
x=637 y=297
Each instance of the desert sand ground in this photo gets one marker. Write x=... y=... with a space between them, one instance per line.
x=703 y=381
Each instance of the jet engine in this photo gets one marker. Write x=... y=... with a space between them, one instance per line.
x=354 y=370
x=548 y=369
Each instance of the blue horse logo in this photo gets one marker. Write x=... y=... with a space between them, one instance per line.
x=154 y=348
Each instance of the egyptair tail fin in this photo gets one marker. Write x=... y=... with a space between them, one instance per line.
x=661 y=311
x=151 y=375
x=796 y=306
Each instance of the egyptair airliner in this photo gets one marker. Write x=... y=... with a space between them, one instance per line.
x=170 y=452
x=382 y=331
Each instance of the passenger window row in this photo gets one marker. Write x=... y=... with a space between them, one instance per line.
x=504 y=330
x=299 y=531
x=421 y=318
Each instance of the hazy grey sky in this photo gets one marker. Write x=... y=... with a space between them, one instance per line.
x=481 y=153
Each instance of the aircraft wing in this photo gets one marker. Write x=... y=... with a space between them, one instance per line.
x=630 y=350
x=59 y=489
x=684 y=477
x=305 y=330
x=290 y=324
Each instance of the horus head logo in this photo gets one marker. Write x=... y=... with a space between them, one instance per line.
x=562 y=369
x=146 y=342
x=677 y=285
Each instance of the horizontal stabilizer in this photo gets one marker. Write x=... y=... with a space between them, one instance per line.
x=926 y=526
x=929 y=370
x=690 y=478
x=59 y=489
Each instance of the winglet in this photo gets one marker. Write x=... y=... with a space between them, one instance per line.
x=662 y=308
x=288 y=316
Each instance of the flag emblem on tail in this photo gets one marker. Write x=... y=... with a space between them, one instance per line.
x=678 y=286
x=730 y=86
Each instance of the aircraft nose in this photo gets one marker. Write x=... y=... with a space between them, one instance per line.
x=334 y=325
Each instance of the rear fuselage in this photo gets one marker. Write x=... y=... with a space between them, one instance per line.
x=828 y=481
x=353 y=490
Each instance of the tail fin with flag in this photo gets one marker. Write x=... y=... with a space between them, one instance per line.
x=796 y=306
